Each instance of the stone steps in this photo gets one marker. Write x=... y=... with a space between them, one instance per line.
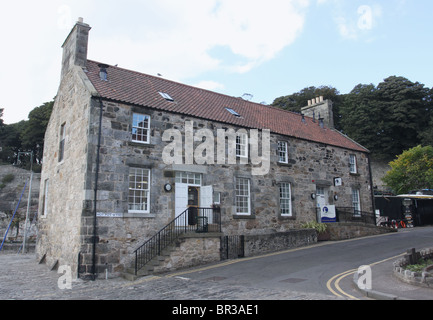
x=150 y=267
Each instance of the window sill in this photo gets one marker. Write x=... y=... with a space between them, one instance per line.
x=243 y=216
x=140 y=144
x=139 y=215
x=285 y=217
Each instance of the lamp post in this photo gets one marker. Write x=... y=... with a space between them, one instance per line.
x=29 y=197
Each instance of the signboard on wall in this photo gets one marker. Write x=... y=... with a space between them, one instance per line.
x=327 y=214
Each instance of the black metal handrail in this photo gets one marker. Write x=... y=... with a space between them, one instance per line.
x=191 y=220
x=350 y=214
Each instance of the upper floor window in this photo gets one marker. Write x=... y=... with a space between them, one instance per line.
x=242 y=145
x=283 y=155
x=140 y=128
x=353 y=165
x=62 y=142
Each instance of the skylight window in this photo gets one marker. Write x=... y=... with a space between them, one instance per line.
x=233 y=112
x=166 y=96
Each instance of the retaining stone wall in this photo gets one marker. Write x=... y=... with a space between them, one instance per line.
x=346 y=230
x=423 y=279
x=265 y=243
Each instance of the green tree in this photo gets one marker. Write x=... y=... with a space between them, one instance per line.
x=296 y=101
x=10 y=137
x=389 y=118
x=34 y=132
x=412 y=170
x=25 y=136
x=1 y=116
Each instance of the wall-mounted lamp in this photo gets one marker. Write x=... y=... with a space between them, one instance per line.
x=335 y=197
x=313 y=196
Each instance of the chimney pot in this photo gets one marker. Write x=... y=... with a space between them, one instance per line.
x=80 y=19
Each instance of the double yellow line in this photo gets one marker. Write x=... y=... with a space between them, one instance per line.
x=335 y=280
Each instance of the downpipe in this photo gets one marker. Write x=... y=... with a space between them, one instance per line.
x=94 y=274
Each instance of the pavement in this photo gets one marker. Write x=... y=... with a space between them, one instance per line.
x=385 y=286
x=22 y=278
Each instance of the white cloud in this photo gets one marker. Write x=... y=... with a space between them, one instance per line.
x=210 y=85
x=171 y=37
x=253 y=31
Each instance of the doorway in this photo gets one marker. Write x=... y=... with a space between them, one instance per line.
x=193 y=204
x=321 y=201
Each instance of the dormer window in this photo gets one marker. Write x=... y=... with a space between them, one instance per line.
x=166 y=96
x=233 y=112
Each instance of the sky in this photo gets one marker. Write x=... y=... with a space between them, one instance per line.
x=260 y=50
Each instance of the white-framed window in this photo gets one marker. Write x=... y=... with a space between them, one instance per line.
x=243 y=201
x=139 y=190
x=286 y=199
x=353 y=165
x=140 y=128
x=62 y=142
x=356 y=204
x=283 y=154
x=217 y=197
x=45 y=199
x=242 y=145
x=189 y=178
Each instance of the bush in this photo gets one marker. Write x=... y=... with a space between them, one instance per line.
x=6 y=179
x=320 y=227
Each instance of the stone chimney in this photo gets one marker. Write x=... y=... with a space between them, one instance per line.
x=321 y=107
x=75 y=47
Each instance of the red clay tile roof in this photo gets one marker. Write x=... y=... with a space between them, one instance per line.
x=140 y=89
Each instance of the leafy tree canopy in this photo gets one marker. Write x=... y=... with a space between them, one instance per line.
x=412 y=170
x=387 y=119
x=25 y=136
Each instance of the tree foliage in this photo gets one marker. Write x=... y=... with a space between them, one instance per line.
x=412 y=170
x=387 y=119
x=25 y=136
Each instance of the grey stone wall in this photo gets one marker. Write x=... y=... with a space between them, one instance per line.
x=278 y=241
x=60 y=233
x=310 y=165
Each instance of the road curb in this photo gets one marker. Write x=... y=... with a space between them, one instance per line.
x=377 y=295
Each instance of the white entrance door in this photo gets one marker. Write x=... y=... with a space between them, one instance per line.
x=206 y=200
x=181 y=201
x=321 y=200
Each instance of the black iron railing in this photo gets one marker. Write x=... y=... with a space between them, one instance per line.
x=350 y=214
x=191 y=220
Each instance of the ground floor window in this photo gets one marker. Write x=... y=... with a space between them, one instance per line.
x=355 y=201
x=139 y=190
x=285 y=199
x=243 y=201
x=190 y=178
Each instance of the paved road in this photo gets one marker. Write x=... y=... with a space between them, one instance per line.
x=298 y=274
x=317 y=269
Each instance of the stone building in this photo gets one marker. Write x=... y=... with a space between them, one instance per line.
x=125 y=153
